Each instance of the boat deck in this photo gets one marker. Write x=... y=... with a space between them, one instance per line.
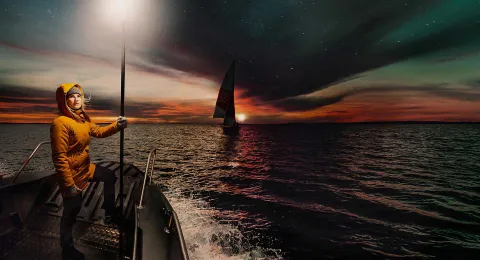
x=40 y=236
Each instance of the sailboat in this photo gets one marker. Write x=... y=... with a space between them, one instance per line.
x=225 y=106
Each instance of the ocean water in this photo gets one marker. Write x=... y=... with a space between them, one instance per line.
x=326 y=191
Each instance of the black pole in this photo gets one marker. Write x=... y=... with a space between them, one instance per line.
x=122 y=113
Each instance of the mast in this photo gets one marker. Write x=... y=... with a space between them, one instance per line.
x=122 y=113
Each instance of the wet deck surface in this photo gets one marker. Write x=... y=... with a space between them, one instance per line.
x=40 y=238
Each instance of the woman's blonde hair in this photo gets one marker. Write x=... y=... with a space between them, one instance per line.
x=86 y=100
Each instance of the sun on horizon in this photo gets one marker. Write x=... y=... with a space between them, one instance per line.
x=241 y=117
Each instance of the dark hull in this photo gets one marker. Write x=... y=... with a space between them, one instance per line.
x=231 y=130
x=34 y=232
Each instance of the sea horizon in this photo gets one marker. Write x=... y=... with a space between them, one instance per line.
x=288 y=123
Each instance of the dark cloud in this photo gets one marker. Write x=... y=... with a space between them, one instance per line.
x=111 y=106
x=457 y=94
x=26 y=100
x=457 y=55
x=182 y=118
x=40 y=100
x=137 y=109
x=338 y=112
x=332 y=118
x=274 y=63
x=32 y=99
x=438 y=90
x=156 y=70
x=474 y=83
x=29 y=109
x=302 y=104
x=13 y=92
x=44 y=108
x=388 y=114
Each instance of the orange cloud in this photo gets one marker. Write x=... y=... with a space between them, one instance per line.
x=26 y=118
x=402 y=106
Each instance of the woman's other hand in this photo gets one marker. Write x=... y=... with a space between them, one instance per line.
x=122 y=122
x=72 y=191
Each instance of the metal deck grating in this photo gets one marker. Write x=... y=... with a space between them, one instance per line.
x=40 y=237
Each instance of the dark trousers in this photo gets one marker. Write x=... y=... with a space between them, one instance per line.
x=72 y=205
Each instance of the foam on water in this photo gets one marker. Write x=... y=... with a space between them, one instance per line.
x=207 y=237
x=4 y=169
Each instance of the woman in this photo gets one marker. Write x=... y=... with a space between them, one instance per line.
x=70 y=135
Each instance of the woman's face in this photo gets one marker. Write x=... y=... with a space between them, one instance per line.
x=74 y=101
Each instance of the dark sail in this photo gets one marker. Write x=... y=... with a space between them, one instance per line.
x=230 y=114
x=225 y=106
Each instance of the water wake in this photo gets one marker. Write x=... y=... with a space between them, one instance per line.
x=207 y=237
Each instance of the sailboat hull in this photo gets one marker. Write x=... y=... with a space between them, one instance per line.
x=231 y=130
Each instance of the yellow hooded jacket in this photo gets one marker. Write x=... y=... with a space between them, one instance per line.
x=70 y=135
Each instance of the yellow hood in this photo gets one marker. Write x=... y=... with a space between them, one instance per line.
x=61 y=97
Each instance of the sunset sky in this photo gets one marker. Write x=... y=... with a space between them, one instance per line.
x=298 y=61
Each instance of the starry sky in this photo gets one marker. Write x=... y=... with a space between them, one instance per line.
x=297 y=61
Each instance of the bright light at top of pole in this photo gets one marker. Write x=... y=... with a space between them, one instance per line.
x=119 y=10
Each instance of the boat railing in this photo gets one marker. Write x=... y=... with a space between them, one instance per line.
x=15 y=177
x=173 y=215
x=135 y=235
x=151 y=158
x=180 y=234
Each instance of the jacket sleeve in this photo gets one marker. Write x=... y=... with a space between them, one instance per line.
x=59 y=144
x=102 y=132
